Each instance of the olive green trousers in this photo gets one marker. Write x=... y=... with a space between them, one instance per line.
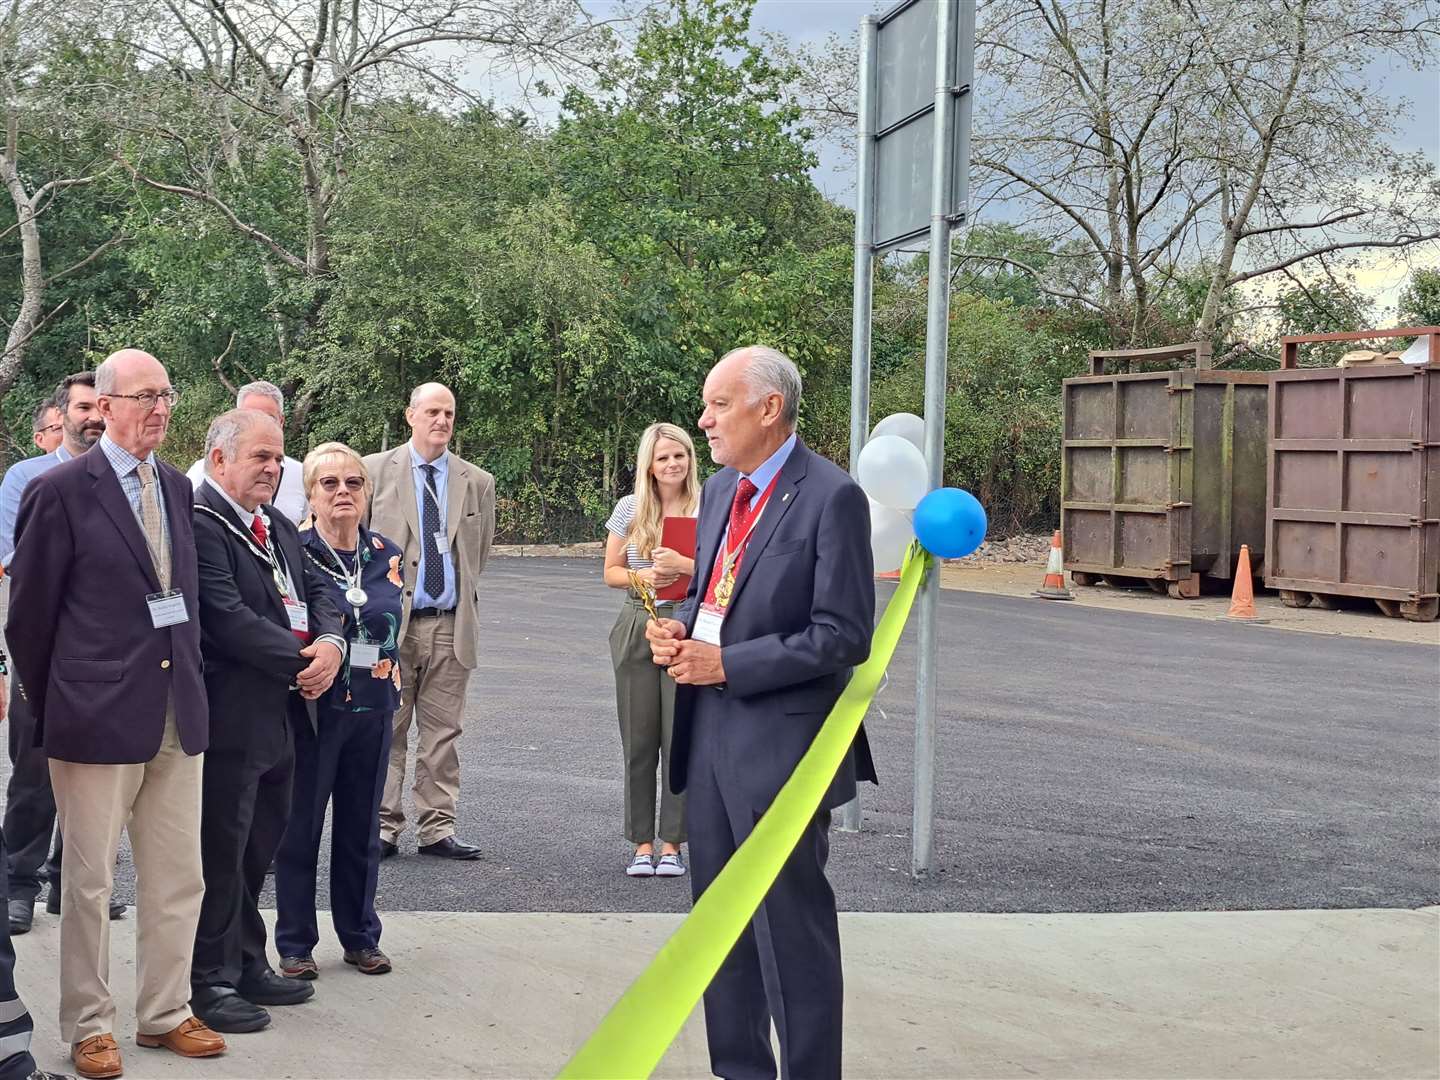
x=645 y=703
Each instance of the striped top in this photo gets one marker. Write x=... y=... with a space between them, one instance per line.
x=619 y=525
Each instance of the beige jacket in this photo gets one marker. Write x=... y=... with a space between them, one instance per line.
x=469 y=524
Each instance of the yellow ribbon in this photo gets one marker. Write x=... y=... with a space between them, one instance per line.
x=639 y=1028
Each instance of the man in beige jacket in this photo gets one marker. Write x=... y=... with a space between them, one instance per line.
x=441 y=510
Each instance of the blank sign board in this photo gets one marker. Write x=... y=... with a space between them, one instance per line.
x=905 y=115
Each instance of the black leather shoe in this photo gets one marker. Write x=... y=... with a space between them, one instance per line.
x=223 y=1009
x=22 y=915
x=387 y=849
x=117 y=910
x=450 y=848
x=272 y=989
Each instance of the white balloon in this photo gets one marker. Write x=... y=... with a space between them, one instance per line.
x=890 y=536
x=906 y=425
x=893 y=472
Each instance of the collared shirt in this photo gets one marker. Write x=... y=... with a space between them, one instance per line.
x=12 y=488
x=289 y=496
x=762 y=476
x=449 y=595
x=125 y=463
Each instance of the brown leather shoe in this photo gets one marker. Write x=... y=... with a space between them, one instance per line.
x=191 y=1039
x=97 y=1057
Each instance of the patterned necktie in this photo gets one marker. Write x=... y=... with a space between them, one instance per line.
x=740 y=510
x=150 y=521
x=429 y=526
x=257 y=530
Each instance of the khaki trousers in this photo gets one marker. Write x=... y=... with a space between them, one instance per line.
x=433 y=694
x=645 y=704
x=158 y=801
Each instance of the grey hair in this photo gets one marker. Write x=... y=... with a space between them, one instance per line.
x=261 y=388
x=226 y=429
x=415 y=394
x=106 y=381
x=772 y=372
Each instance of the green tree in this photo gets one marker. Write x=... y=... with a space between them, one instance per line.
x=1420 y=302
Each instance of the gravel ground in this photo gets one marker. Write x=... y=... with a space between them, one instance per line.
x=1089 y=760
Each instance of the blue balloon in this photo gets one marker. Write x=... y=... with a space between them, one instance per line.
x=950 y=523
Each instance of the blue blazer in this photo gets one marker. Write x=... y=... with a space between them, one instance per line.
x=96 y=673
x=799 y=620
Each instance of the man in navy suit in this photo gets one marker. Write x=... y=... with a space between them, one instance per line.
x=780 y=608
x=104 y=625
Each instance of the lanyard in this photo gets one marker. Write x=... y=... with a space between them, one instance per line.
x=347 y=580
x=265 y=554
x=728 y=556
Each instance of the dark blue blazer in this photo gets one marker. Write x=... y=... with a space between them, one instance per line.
x=799 y=620
x=251 y=657
x=96 y=673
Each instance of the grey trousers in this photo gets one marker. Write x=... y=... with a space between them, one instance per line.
x=645 y=702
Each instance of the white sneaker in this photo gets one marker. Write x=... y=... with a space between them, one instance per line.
x=640 y=866
x=670 y=866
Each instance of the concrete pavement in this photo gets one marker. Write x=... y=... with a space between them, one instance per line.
x=1350 y=993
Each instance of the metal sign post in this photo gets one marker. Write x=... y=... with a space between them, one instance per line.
x=849 y=817
x=917 y=64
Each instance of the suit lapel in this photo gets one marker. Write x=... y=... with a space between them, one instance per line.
x=403 y=477
x=455 y=485
x=112 y=499
x=289 y=545
x=781 y=499
x=216 y=502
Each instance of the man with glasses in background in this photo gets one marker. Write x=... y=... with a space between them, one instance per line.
x=45 y=427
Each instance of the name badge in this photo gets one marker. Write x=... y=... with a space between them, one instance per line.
x=707 y=625
x=364 y=654
x=442 y=542
x=167 y=608
x=299 y=616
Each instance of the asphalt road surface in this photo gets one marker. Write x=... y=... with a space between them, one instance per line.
x=1088 y=760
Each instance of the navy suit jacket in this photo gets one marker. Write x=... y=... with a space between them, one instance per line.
x=95 y=671
x=799 y=620
x=251 y=657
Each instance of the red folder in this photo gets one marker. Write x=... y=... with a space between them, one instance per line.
x=677 y=534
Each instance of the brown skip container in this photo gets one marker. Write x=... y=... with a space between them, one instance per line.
x=1163 y=472
x=1354 y=481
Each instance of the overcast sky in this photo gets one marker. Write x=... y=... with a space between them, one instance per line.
x=1383 y=275
x=813 y=20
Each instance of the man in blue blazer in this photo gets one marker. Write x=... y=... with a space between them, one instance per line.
x=780 y=609
x=104 y=626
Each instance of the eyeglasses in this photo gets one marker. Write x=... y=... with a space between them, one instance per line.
x=148 y=399
x=48 y=428
x=332 y=483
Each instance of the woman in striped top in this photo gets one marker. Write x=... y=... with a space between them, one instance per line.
x=667 y=484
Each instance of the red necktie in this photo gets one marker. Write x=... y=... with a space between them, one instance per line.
x=257 y=529
x=740 y=510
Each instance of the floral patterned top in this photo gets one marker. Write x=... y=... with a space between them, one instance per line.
x=358 y=689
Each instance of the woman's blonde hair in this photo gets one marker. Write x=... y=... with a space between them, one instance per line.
x=322 y=454
x=649 y=519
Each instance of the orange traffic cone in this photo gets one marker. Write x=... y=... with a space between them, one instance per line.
x=1053 y=587
x=1242 y=596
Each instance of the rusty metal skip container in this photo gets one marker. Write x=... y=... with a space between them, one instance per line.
x=1354 y=471
x=1163 y=472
